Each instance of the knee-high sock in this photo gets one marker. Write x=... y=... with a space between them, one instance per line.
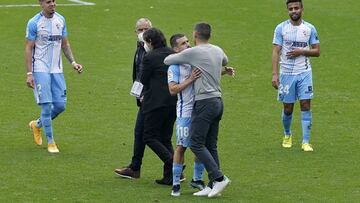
x=46 y=121
x=286 y=120
x=306 y=122
x=198 y=171
x=177 y=169
x=57 y=108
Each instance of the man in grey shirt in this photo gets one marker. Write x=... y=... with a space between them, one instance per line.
x=208 y=107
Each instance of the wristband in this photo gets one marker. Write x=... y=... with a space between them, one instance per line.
x=73 y=63
x=29 y=73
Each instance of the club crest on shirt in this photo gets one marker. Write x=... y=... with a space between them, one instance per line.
x=44 y=37
x=57 y=26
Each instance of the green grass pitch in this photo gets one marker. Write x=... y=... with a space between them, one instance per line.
x=95 y=133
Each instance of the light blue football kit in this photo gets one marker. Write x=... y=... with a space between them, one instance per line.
x=186 y=98
x=47 y=67
x=177 y=74
x=46 y=60
x=295 y=73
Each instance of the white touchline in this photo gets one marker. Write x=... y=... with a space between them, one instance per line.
x=77 y=3
x=19 y=5
x=82 y=2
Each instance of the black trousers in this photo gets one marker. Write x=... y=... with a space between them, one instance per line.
x=158 y=129
x=204 y=129
x=139 y=144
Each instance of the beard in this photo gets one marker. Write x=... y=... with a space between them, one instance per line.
x=295 y=17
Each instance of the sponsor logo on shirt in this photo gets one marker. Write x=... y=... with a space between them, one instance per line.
x=299 y=44
x=53 y=38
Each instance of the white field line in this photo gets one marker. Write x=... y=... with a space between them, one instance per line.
x=83 y=2
x=76 y=3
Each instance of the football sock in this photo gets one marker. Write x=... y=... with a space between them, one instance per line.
x=177 y=169
x=198 y=171
x=306 y=122
x=286 y=119
x=45 y=117
x=57 y=108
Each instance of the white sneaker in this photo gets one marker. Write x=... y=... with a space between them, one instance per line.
x=204 y=192
x=218 y=187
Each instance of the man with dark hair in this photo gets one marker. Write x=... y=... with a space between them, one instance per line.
x=159 y=107
x=155 y=38
x=292 y=1
x=208 y=107
x=133 y=169
x=294 y=42
x=174 y=41
x=46 y=36
x=180 y=79
x=203 y=31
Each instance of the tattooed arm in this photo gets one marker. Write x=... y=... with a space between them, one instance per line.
x=69 y=55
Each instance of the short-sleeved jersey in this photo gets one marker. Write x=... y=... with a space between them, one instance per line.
x=185 y=102
x=290 y=37
x=47 y=34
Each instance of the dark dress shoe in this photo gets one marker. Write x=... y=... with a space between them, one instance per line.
x=164 y=181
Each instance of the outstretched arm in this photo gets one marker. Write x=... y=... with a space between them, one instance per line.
x=179 y=58
x=69 y=55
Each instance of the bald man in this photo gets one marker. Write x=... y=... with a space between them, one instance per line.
x=133 y=169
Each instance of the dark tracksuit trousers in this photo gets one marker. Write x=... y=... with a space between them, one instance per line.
x=204 y=129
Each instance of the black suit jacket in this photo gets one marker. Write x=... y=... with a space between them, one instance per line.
x=154 y=78
x=137 y=65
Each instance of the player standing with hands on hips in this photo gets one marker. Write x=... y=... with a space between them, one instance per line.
x=294 y=42
x=46 y=36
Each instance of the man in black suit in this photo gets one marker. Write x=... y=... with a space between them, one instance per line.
x=133 y=169
x=159 y=107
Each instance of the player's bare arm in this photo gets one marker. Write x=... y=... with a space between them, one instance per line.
x=29 y=47
x=175 y=88
x=313 y=52
x=275 y=61
x=69 y=55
